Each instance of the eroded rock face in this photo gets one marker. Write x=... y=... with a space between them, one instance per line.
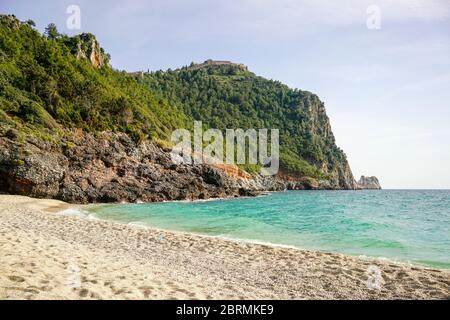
x=111 y=167
x=86 y=46
x=369 y=183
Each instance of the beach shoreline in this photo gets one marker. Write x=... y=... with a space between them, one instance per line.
x=84 y=211
x=46 y=255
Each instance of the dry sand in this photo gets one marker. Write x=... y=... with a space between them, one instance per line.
x=46 y=255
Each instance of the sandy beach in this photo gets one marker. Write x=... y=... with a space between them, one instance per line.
x=47 y=255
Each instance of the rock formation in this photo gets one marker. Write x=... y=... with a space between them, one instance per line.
x=211 y=62
x=111 y=167
x=368 y=183
x=73 y=129
x=86 y=46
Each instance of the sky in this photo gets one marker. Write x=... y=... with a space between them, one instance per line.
x=382 y=68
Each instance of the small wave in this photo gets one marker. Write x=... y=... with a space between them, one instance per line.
x=265 y=194
x=78 y=213
x=138 y=224
x=74 y=212
x=255 y=241
x=198 y=200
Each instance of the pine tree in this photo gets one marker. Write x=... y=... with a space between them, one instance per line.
x=52 y=32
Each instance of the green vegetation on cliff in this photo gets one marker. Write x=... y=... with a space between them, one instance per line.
x=52 y=81
x=43 y=85
x=228 y=96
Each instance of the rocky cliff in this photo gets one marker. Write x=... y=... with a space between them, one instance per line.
x=369 y=183
x=111 y=167
x=83 y=132
x=225 y=95
x=86 y=46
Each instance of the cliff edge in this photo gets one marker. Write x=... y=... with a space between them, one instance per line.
x=75 y=129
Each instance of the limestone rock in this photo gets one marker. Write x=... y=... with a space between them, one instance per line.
x=111 y=167
x=86 y=46
x=369 y=183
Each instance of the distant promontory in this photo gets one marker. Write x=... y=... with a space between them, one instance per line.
x=369 y=183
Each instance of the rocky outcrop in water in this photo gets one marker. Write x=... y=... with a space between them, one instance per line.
x=369 y=183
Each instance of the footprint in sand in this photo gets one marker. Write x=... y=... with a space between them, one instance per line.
x=146 y=291
x=85 y=293
x=16 y=278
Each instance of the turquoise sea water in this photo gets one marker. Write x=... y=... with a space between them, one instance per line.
x=403 y=225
